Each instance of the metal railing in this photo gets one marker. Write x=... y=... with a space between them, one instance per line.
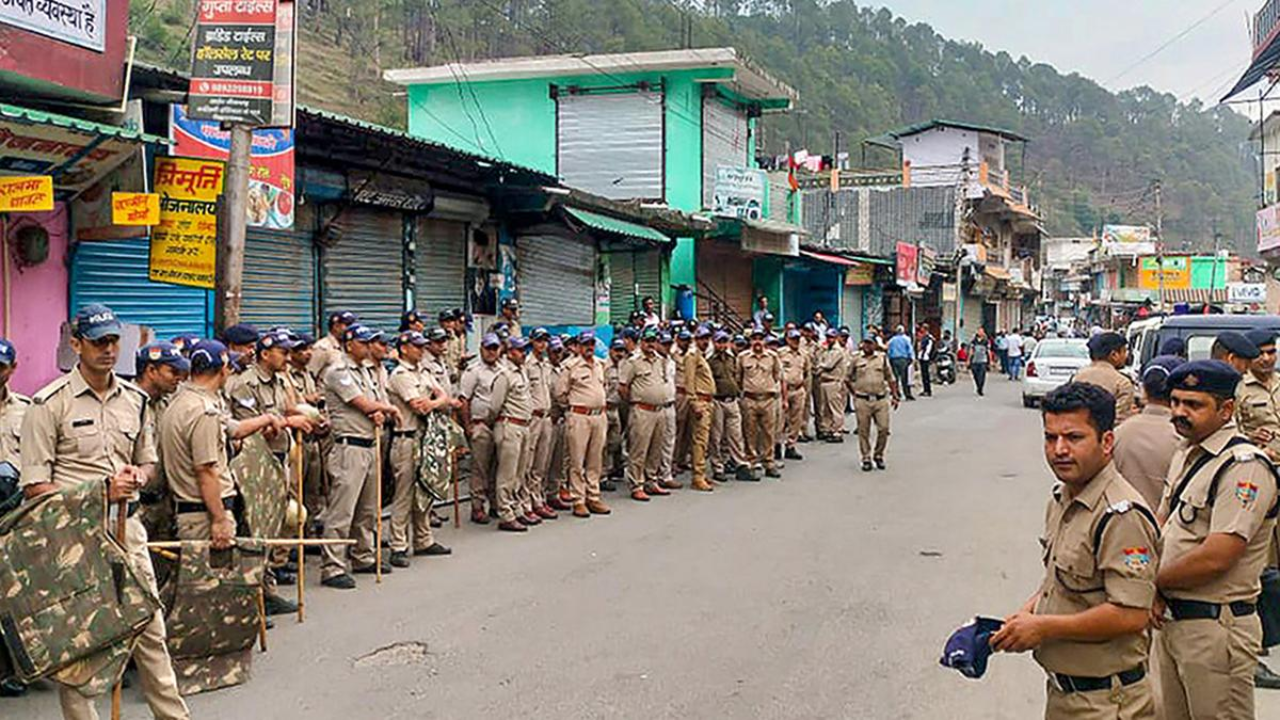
x=721 y=312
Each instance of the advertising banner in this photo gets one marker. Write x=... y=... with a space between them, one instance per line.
x=271 y=165
x=907 y=261
x=1269 y=228
x=860 y=274
x=739 y=193
x=184 y=244
x=233 y=61
x=1246 y=293
x=1128 y=240
x=26 y=194
x=1177 y=273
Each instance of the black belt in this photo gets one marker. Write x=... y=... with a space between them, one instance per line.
x=864 y=396
x=1197 y=610
x=354 y=441
x=1072 y=683
x=403 y=433
x=182 y=507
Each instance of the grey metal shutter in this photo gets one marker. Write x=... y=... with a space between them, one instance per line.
x=725 y=141
x=280 y=278
x=364 y=272
x=611 y=144
x=114 y=273
x=440 y=265
x=622 y=287
x=648 y=274
x=557 y=281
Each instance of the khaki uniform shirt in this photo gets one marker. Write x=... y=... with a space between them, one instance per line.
x=438 y=369
x=870 y=375
x=795 y=366
x=12 y=409
x=644 y=376
x=696 y=372
x=326 y=350
x=760 y=374
x=257 y=393
x=477 y=387
x=511 y=397
x=70 y=436
x=1144 y=448
x=407 y=383
x=581 y=384
x=677 y=356
x=1258 y=407
x=671 y=377
x=611 y=381
x=724 y=369
x=1104 y=375
x=1121 y=570
x=301 y=385
x=344 y=381
x=541 y=383
x=194 y=433
x=833 y=364
x=1244 y=495
x=514 y=326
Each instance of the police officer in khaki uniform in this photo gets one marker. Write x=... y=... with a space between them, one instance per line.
x=306 y=393
x=511 y=316
x=87 y=426
x=160 y=368
x=666 y=473
x=642 y=382
x=356 y=414
x=475 y=390
x=329 y=348
x=615 y=460
x=726 y=421
x=1219 y=514
x=1087 y=621
x=701 y=388
x=1146 y=443
x=833 y=377
x=874 y=388
x=581 y=389
x=1109 y=352
x=13 y=407
x=542 y=380
x=510 y=414
x=416 y=393
x=796 y=371
x=684 y=341
x=760 y=375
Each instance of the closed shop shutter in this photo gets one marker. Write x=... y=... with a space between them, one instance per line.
x=364 y=272
x=114 y=273
x=622 y=287
x=725 y=141
x=440 y=265
x=648 y=271
x=851 y=310
x=557 y=281
x=280 y=278
x=972 y=315
x=611 y=144
x=724 y=271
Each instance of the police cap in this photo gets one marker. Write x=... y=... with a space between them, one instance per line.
x=209 y=355
x=240 y=335
x=437 y=335
x=157 y=353
x=95 y=321
x=8 y=354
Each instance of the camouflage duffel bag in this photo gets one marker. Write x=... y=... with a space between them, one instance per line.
x=71 y=605
x=213 y=614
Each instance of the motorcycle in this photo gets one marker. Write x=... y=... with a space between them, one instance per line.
x=946 y=368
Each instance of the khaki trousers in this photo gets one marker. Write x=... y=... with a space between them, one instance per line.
x=514 y=456
x=831 y=418
x=1132 y=702
x=869 y=411
x=315 y=482
x=644 y=447
x=1206 y=667
x=541 y=438
x=353 y=508
x=482 y=465
x=155 y=668
x=700 y=412
x=665 y=469
x=759 y=425
x=404 y=514
x=614 y=459
x=726 y=434
x=797 y=410
x=584 y=444
x=558 y=474
x=682 y=433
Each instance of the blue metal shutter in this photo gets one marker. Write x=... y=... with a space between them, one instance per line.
x=557 y=279
x=364 y=272
x=440 y=262
x=280 y=278
x=114 y=273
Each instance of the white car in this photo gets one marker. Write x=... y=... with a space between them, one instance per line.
x=1054 y=362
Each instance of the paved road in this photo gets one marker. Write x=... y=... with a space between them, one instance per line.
x=826 y=595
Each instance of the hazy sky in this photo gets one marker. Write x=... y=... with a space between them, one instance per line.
x=1106 y=39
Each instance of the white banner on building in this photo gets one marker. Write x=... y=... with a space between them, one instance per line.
x=1246 y=293
x=1269 y=228
x=739 y=192
x=81 y=23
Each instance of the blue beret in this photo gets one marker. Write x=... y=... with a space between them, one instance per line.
x=1237 y=344
x=8 y=353
x=1210 y=376
x=1105 y=343
x=739 y=340
x=186 y=342
x=969 y=647
x=240 y=335
x=1261 y=337
x=630 y=333
x=305 y=340
x=97 y=321
x=684 y=335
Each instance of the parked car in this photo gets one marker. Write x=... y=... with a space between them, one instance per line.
x=1054 y=362
x=1197 y=331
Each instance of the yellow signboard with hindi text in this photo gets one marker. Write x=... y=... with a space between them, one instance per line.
x=26 y=193
x=135 y=208
x=184 y=243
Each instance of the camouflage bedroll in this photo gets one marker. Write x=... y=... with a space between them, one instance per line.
x=264 y=488
x=71 y=605
x=439 y=438
x=213 y=614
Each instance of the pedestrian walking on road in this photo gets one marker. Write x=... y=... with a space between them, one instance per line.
x=1002 y=351
x=1087 y=621
x=979 y=360
x=1013 y=351
x=901 y=355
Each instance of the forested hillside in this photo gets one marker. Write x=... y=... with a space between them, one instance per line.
x=861 y=71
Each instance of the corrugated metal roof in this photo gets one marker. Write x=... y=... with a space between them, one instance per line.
x=40 y=117
x=617 y=227
x=976 y=127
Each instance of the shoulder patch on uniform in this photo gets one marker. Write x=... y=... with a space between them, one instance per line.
x=1137 y=558
x=1246 y=492
x=1247 y=454
x=247 y=401
x=50 y=390
x=1119 y=508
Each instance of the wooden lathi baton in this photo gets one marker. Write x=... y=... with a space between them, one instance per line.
x=457 y=504
x=377 y=476
x=302 y=523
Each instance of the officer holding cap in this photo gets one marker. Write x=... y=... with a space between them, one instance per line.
x=1146 y=443
x=13 y=407
x=1109 y=352
x=1219 y=514
x=1087 y=621
x=329 y=348
x=89 y=426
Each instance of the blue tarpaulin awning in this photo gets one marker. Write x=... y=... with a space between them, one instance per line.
x=1265 y=62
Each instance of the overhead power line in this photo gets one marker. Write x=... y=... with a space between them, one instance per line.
x=1165 y=45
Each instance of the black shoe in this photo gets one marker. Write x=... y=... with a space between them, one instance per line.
x=1264 y=678
x=292 y=565
x=433 y=549
x=744 y=474
x=880 y=463
x=400 y=559
x=608 y=486
x=791 y=454
x=371 y=569
x=12 y=688
x=911 y=398
x=341 y=582
x=773 y=473
x=866 y=466
x=777 y=452
x=835 y=439
x=286 y=578
x=269 y=624
x=805 y=439
x=276 y=605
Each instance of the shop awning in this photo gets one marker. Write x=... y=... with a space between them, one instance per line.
x=1194 y=295
x=1264 y=63
x=605 y=223
x=76 y=152
x=833 y=259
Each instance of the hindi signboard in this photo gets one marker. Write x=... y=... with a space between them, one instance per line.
x=1177 y=273
x=184 y=244
x=739 y=193
x=135 y=208
x=271 y=165
x=26 y=193
x=233 y=61
x=82 y=23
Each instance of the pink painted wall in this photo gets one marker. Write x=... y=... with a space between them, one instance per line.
x=39 y=303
